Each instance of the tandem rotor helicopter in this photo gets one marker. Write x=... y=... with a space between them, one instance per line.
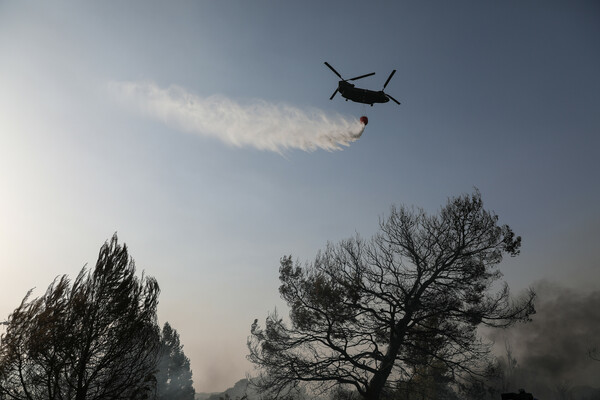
x=358 y=95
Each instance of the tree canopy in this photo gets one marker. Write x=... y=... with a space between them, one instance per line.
x=376 y=314
x=96 y=338
x=174 y=376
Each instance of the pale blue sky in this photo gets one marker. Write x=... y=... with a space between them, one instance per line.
x=504 y=96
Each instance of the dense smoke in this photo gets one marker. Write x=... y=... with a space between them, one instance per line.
x=552 y=353
x=256 y=123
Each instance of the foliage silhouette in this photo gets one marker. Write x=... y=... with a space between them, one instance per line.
x=372 y=314
x=95 y=339
x=174 y=377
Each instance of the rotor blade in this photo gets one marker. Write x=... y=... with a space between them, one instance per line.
x=334 y=93
x=388 y=79
x=333 y=69
x=391 y=98
x=362 y=76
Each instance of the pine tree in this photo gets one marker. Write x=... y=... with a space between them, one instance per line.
x=95 y=338
x=174 y=378
x=369 y=314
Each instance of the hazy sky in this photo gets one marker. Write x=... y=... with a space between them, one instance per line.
x=202 y=133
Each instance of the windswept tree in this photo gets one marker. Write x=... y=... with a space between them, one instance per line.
x=96 y=338
x=174 y=377
x=373 y=315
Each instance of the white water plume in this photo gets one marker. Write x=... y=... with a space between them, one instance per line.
x=256 y=123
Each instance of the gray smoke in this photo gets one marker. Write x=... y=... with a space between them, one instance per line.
x=256 y=123
x=552 y=352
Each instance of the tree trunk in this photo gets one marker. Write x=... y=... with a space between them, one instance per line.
x=379 y=379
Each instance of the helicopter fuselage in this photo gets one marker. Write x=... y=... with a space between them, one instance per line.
x=365 y=96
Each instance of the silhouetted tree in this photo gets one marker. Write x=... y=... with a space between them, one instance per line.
x=174 y=377
x=95 y=339
x=429 y=379
x=363 y=310
x=508 y=372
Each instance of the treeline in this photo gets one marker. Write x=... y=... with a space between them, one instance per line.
x=95 y=338
x=396 y=317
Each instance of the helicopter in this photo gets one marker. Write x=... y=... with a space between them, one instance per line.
x=359 y=95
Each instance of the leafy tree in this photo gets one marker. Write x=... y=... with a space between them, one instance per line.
x=364 y=313
x=174 y=377
x=96 y=338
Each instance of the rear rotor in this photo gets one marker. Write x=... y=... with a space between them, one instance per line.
x=385 y=84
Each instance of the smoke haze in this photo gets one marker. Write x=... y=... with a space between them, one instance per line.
x=552 y=351
x=256 y=123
